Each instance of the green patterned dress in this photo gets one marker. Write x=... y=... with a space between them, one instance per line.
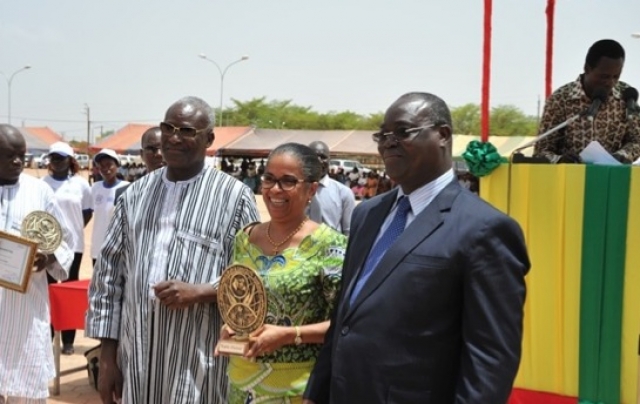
x=302 y=286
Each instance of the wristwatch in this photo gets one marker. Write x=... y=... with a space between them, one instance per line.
x=298 y=338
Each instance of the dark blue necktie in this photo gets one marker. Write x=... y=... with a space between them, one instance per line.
x=386 y=240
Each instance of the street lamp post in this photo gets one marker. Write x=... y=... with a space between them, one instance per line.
x=9 y=81
x=87 y=112
x=222 y=72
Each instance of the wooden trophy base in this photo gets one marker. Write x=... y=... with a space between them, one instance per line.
x=232 y=347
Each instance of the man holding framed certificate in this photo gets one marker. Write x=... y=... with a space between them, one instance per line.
x=26 y=357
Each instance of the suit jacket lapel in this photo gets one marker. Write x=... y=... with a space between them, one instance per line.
x=363 y=243
x=420 y=228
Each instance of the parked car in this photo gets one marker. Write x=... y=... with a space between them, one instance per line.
x=83 y=161
x=28 y=160
x=41 y=161
x=347 y=165
x=129 y=159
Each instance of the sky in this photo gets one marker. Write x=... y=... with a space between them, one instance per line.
x=129 y=60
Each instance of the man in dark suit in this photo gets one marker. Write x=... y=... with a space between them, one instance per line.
x=433 y=281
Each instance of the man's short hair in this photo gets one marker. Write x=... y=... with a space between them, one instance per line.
x=202 y=106
x=437 y=112
x=604 y=48
x=152 y=131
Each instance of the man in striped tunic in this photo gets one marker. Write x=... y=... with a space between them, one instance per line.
x=152 y=297
x=26 y=357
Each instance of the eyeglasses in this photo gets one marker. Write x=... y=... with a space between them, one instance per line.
x=151 y=149
x=286 y=182
x=185 y=132
x=56 y=157
x=400 y=134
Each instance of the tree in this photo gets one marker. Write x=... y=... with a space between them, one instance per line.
x=508 y=120
x=505 y=120
x=466 y=119
x=284 y=114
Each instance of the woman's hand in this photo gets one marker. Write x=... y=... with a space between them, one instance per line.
x=269 y=338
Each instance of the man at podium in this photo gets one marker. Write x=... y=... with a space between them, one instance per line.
x=597 y=107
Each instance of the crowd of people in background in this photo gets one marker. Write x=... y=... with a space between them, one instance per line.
x=469 y=181
x=311 y=205
x=411 y=296
x=364 y=185
x=131 y=171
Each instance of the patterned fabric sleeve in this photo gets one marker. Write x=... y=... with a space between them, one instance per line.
x=554 y=114
x=631 y=141
x=247 y=211
x=107 y=283
x=331 y=268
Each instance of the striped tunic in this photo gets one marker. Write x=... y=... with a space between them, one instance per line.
x=26 y=357
x=163 y=230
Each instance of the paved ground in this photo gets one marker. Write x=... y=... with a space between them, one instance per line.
x=75 y=388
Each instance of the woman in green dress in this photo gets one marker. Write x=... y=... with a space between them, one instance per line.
x=300 y=263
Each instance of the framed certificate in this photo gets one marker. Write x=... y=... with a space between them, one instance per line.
x=17 y=255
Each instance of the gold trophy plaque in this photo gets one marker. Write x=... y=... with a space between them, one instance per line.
x=44 y=229
x=242 y=301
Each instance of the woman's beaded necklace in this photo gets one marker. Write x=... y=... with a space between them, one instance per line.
x=276 y=246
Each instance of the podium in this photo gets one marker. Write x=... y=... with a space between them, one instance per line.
x=582 y=311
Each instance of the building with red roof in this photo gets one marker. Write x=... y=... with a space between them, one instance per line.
x=127 y=139
x=39 y=139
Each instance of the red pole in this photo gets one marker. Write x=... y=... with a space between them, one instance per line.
x=486 y=71
x=551 y=10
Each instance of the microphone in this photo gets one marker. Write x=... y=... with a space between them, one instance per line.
x=599 y=96
x=630 y=97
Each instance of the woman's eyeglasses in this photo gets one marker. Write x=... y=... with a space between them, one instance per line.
x=185 y=132
x=56 y=157
x=286 y=182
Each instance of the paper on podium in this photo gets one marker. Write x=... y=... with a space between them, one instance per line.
x=594 y=153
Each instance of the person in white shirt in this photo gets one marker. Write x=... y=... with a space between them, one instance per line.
x=103 y=194
x=353 y=177
x=333 y=202
x=26 y=357
x=152 y=300
x=73 y=195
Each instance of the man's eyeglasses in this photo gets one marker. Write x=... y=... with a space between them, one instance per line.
x=400 y=134
x=185 y=132
x=151 y=149
x=286 y=182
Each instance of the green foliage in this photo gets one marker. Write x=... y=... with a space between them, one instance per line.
x=277 y=114
x=506 y=120
x=78 y=144
x=466 y=119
